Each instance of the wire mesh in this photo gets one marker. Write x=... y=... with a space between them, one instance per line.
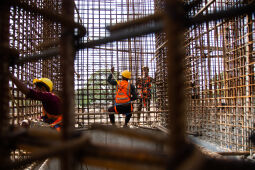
x=219 y=68
x=93 y=93
x=220 y=77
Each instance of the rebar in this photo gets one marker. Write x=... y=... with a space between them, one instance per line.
x=200 y=56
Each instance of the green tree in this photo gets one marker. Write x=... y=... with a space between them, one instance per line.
x=96 y=89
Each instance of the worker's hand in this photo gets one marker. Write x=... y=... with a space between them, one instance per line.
x=57 y=127
x=112 y=69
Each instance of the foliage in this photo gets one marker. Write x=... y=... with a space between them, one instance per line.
x=96 y=90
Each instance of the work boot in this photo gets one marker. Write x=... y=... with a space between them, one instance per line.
x=112 y=119
x=128 y=116
x=125 y=126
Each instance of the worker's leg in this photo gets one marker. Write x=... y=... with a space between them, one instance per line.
x=128 y=116
x=125 y=109
x=148 y=104
x=111 y=116
x=148 y=108
x=140 y=105
x=147 y=101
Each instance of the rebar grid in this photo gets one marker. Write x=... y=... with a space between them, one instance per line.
x=28 y=33
x=161 y=68
x=93 y=93
x=220 y=77
x=68 y=146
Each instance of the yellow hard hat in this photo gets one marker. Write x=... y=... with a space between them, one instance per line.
x=46 y=81
x=126 y=74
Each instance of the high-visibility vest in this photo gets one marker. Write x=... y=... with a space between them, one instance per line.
x=123 y=93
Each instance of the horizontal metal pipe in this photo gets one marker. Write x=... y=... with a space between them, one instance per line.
x=100 y=113
x=132 y=133
x=142 y=30
x=221 y=14
x=48 y=54
x=44 y=55
x=126 y=154
x=223 y=164
x=61 y=148
x=119 y=164
x=131 y=23
x=234 y=153
x=124 y=34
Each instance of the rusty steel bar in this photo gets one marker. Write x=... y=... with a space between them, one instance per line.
x=234 y=153
x=124 y=34
x=219 y=89
x=119 y=164
x=67 y=63
x=132 y=133
x=4 y=69
x=50 y=15
x=54 y=150
x=125 y=154
x=135 y=112
x=223 y=164
x=221 y=14
x=4 y=86
x=139 y=21
x=67 y=53
x=174 y=29
x=142 y=30
x=44 y=55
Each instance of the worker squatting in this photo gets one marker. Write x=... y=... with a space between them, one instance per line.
x=125 y=94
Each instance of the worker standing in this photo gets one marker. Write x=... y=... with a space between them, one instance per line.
x=125 y=93
x=43 y=92
x=145 y=91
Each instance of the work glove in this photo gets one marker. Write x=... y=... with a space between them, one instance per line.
x=57 y=127
x=44 y=118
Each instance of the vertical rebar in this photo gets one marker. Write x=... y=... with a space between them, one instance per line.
x=4 y=85
x=174 y=33
x=68 y=53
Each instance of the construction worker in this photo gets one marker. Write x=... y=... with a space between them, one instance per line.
x=144 y=84
x=125 y=93
x=43 y=92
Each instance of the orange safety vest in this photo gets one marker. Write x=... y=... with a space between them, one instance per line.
x=57 y=119
x=122 y=94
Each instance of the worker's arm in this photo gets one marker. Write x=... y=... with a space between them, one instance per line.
x=30 y=93
x=152 y=80
x=111 y=81
x=21 y=86
x=42 y=96
x=133 y=93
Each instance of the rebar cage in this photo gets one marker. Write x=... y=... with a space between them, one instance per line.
x=218 y=65
x=93 y=93
x=220 y=77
